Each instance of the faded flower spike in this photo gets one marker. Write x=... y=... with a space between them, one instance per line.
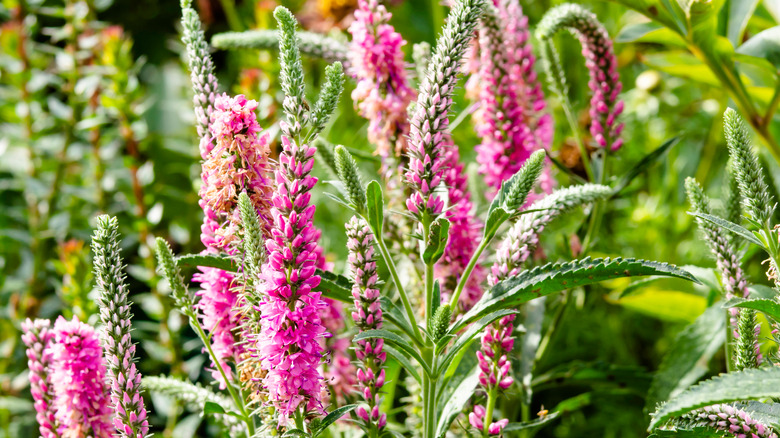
x=430 y=119
x=511 y=119
x=382 y=93
x=204 y=82
x=367 y=316
x=38 y=337
x=605 y=107
x=78 y=376
x=126 y=392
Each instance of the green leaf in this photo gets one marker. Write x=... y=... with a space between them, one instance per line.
x=437 y=240
x=465 y=338
x=209 y=261
x=767 y=413
x=334 y=286
x=552 y=278
x=695 y=432
x=529 y=343
x=665 y=304
x=395 y=316
x=332 y=417
x=495 y=217
x=213 y=408
x=403 y=360
x=687 y=359
x=750 y=384
x=730 y=226
x=764 y=45
x=376 y=207
x=739 y=13
x=643 y=164
x=457 y=402
x=682 y=64
x=770 y=307
x=398 y=341
x=661 y=11
x=295 y=433
x=649 y=32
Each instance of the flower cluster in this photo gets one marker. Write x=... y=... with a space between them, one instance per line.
x=37 y=336
x=494 y=367
x=382 y=93
x=430 y=119
x=732 y=420
x=511 y=119
x=605 y=107
x=78 y=376
x=367 y=316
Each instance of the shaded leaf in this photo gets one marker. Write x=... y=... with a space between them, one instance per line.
x=730 y=226
x=465 y=338
x=395 y=339
x=210 y=261
x=764 y=45
x=403 y=360
x=770 y=307
x=334 y=286
x=332 y=417
x=643 y=164
x=457 y=402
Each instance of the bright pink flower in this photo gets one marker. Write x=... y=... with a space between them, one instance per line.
x=367 y=316
x=382 y=93
x=38 y=336
x=511 y=119
x=78 y=376
x=289 y=344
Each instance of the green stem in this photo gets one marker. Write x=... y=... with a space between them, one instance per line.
x=491 y=405
x=557 y=318
x=380 y=242
x=428 y=274
x=429 y=398
x=584 y=156
x=770 y=110
x=238 y=400
x=467 y=272
x=526 y=417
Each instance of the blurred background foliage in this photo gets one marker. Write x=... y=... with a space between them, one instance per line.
x=96 y=117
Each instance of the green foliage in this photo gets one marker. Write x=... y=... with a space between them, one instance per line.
x=349 y=175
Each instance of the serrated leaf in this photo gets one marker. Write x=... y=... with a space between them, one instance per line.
x=749 y=384
x=457 y=402
x=766 y=413
x=398 y=341
x=465 y=338
x=770 y=307
x=332 y=417
x=552 y=278
x=375 y=208
x=334 y=286
x=730 y=226
x=687 y=359
x=437 y=240
x=643 y=164
x=210 y=261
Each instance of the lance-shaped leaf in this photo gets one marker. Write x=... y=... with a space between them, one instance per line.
x=209 y=261
x=749 y=384
x=457 y=401
x=770 y=307
x=645 y=163
x=331 y=418
x=465 y=338
x=730 y=226
x=375 y=207
x=403 y=359
x=334 y=286
x=686 y=361
x=551 y=278
x=531 y=425
x=395 y=340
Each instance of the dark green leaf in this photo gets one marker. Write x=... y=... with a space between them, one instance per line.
x=395 y=316
x=332 y=417
x=398 y=341
x=212 y=408
x=403 y=360
x=595 y=374
x=749 y=384
x=643 y=164
x=210 y=261
x=334 y=286
x=465 y=338
x=730 y=226
x=376 y=207
x=457 y=402
x=531 y=425
x=687 y=359
x=295 y=433
x=553 y=278
x=529 y=343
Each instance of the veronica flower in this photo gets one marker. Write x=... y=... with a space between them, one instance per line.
x=494 y=367
x=382 y=93
x=38 y=336
x=605 y=85
x=78 y=376
x=464 y=233
x=430 y=119
x=730 y=419
x=511 y=119
x=367 y=316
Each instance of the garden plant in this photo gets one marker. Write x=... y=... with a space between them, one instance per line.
x=359 y=236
